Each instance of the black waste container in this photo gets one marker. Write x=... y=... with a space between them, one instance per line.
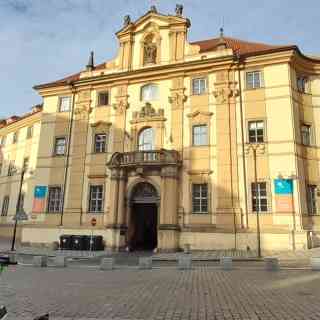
x=77 y=242
x=97 y=243
x=86 y=242
x=66 y=242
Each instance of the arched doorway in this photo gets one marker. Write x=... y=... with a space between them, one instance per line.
x=143 y=227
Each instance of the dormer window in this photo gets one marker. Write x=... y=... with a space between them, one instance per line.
x=149 y=92
x=149 y=50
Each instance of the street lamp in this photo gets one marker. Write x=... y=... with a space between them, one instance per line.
x=256 y=147
x=18 y=207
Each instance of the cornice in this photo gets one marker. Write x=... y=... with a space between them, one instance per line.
x=21 y=123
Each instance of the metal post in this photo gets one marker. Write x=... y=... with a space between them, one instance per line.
x=257 y=202
x=91 y=240
x=17 y=209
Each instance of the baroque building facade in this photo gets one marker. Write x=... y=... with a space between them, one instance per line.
x=172 y=143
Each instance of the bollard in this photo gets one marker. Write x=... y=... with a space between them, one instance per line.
x=315 y=263
x=185 y=262
x=40 y=261
x=226 y=263
x=60 y=261
x=13 y=258
x=145 y=263
x=107 y=264
x=187 y=248
x=271 y=264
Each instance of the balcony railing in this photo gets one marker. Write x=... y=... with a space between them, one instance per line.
x=142 y=158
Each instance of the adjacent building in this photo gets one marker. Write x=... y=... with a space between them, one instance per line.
x=173 y=142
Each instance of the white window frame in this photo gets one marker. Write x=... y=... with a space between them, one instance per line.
x=146 y=139
x=55 y=197
x=58 y=154
x=312 y=199
x=197 y=86
x=94 y=199
x=101 y=145
x=255 y=130
x=303 y=84
x=257 y=79
x=63 y=108
x=260 y=197
x=203 y=200
x=306 y=140
x=154 y=92
x=5 y=206
x=203 y=137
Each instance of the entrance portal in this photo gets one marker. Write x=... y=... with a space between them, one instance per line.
x=143 y=231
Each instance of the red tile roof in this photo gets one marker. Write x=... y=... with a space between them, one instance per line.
x=238 y=46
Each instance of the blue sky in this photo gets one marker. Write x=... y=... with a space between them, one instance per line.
x=44 y=40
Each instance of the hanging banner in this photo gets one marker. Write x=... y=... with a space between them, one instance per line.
x=283 y=189
x=39 y=199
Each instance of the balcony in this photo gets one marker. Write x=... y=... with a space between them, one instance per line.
x=158 y=158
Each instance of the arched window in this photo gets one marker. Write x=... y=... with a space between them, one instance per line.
x=146 y=139
x=149 y=92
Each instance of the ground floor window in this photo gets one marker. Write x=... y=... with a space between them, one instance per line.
x=96 y=198
x=312 y=198
x=55 y=199
x=5 y=206
x=259 y=197
x=200 y=198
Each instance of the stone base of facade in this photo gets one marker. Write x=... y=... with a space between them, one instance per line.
x=174 y=240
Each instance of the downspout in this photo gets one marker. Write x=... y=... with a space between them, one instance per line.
x=68 y=153
x=243 y=145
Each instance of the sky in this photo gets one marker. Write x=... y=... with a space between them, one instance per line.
x=45 y=40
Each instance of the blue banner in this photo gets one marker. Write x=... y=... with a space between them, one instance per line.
x=283 y=186
x=40 y=192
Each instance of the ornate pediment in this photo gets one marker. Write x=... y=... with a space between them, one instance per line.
x=147 y=112
x=197 y=113
x=101 y=125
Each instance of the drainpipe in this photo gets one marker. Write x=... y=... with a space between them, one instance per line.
x=68 y=153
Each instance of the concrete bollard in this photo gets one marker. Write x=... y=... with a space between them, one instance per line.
x=315 y=263
x=107 y=264
x=13 y=258
x=226 y=263
x=271 y=264
x=185 y=262
x=145 y=263
x=40 y=261
x=60 y=261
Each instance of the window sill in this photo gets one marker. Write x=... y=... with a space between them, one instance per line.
x=199 y=213
x=103 y=105
x=253 y=89
x=58 y=155
x=199 y=94
x=96 y=212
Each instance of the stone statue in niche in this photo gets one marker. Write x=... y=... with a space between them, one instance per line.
x=150 y=53
x=179 y=10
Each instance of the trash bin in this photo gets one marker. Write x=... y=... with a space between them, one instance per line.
x=97 y=244
x=66 y=242
x=86 y=242
x=77 y=242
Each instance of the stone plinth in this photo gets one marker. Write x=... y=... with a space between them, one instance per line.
x=40 y=261
x=60 y=261
x=107 y=264
x=185 y=262
x=226 y=263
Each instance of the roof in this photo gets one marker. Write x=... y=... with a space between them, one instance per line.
x=238 y=46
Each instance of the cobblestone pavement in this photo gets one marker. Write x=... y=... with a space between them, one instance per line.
x=160 y=294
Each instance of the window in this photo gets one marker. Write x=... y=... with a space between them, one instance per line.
x=311 y=199
x=149 y=92
x=146 y=139
x=1 y=165
x=306 y=134
x=64 y=104
x=200 y=198
x=259 y=197
x=3 y=141
x=103 y=98
x=5 y=206
x=200 y=135
x=15 y=137
x=11 y=169
x=60 y=146
x=29 y=132
x=100 y=142
x=96 y=198
x=253 y=80
x=54 y=199
x=25 y=165
x=302 y=84
x=199 y=86
x=256 y=131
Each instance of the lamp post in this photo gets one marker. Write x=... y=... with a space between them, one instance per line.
x=17 y=211
x=255 y=147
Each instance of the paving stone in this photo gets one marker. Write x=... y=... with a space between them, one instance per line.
x=185 y=261
x=107 y=264
x=271 y=263
x=60 y=261
x=226 y=263
x=145 y=263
